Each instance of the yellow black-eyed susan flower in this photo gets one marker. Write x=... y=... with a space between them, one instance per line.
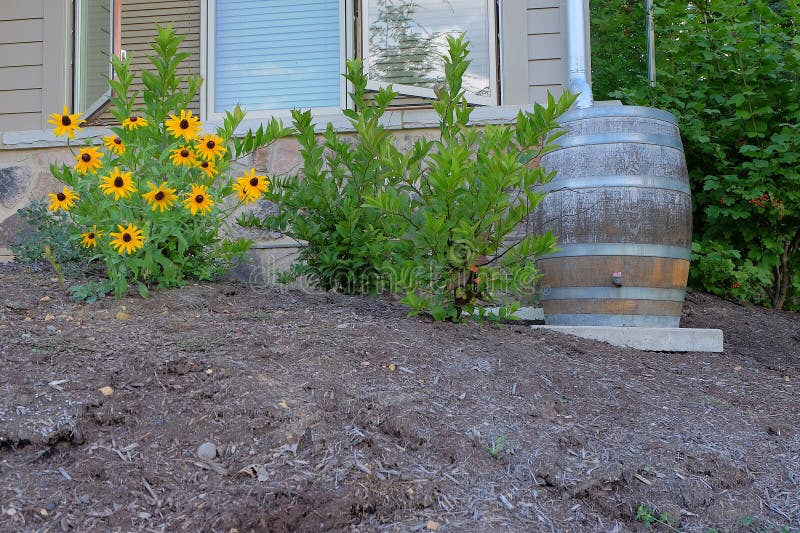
x=62 y=200
x=185 y=126
x=89 y=239
x=211 y=146
x=183 y=156
x=134 y=122
x=250 y=187
x=120 y=184
x=88 y=160
x=114 y=144
x=127 y=240
x=65 y=123
x=160 y=197
x=208 y=167
x=198 y=200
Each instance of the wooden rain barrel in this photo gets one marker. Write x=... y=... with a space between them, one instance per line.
x=620 y=203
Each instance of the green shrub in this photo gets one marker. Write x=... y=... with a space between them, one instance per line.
x=432 y=222
x=323 y=204
x=729 y=70
x=618 y=45
x=722 y=271
x=151 y=203
x=46 y=228
x=458 y=200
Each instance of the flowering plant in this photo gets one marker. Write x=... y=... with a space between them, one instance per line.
x=152 y=202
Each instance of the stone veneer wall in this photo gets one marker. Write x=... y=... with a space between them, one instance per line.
x=25 y=176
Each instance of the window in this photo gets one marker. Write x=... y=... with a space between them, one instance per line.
x=96 y=38
x=405 y=40
x=274 y=55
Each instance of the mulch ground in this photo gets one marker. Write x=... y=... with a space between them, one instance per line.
x=328 y=412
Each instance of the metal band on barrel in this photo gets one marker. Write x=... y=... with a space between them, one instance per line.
x=605 y=249
x=612 y=293
x=623 y=111
x=641 y=321
x=670 y=141
x=593 y=182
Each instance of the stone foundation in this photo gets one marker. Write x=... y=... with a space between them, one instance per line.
x=25 y=176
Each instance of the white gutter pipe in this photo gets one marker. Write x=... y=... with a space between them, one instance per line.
x=576 y=54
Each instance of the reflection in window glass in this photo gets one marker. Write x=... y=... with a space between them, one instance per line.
x=406 y=39
x=93 y=47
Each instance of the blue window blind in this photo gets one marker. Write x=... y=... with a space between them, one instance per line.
x=277 y=54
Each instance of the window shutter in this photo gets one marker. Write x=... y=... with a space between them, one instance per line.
x=139 y=19
x=274 y=54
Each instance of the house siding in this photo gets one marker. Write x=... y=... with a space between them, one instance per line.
x=21 y=53
x=547 y=47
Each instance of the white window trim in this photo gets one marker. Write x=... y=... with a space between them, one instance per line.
x=492 y=13
x=104 y=99
x=207 y=65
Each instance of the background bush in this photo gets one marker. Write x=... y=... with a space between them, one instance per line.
x=729 y=71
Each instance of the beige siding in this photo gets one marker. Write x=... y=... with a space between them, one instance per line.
x=513 y=54
x=20 y=31
x=547 y=47
x=21 y=52
x=139 y=19
x=22 y=9
x=34 y=55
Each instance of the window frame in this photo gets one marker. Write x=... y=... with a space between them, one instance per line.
x=353 y=24
x=207 y=64
x=492 y=14
x=98 y=106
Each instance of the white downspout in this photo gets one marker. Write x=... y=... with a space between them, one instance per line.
x=576 y=54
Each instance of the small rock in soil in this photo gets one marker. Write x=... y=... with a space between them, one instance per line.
x=207 y=451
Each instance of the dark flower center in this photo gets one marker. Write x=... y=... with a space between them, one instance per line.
x=127 y=237
x=254 y=181
x=199 y=198
x=118 y=181
x=90 y=236
x=65 y=121
x=159 y=196
x=61 y=196
x=204 y=164
x=133 y=119
x=184 y=153
x=117 y=140
x=211 y=145
x=86 y=158
x=184 y=124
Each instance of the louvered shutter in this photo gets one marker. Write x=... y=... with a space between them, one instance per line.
x=139 y=19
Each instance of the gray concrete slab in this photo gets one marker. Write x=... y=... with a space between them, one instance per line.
x=648 y=339
x=523 y=313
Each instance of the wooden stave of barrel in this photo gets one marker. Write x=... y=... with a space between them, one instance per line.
x=620 y=203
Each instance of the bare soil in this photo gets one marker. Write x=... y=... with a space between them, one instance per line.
x=336 y=413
